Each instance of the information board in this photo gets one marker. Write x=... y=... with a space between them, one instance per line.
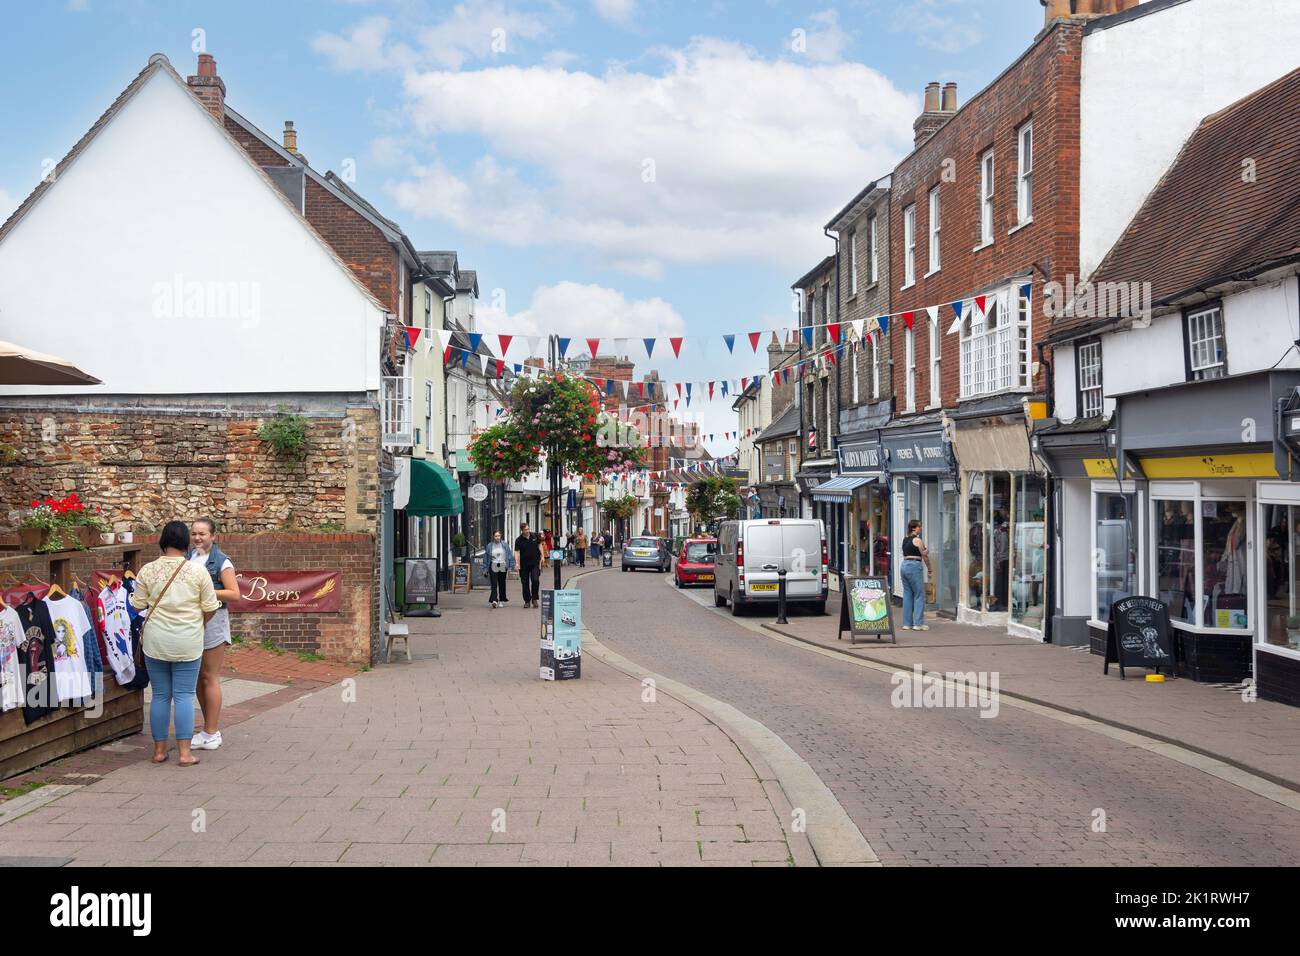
x=561 y=635
x=865 y=609
x=1138 y=635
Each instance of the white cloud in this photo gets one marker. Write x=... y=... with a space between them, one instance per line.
x=581 y=311
x=749 y=156
x=475 y=30
x=948 y=26
x=615 y=11
x=825 y=41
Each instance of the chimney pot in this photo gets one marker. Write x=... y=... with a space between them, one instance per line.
x=1055 y=10
x=207 y=65
x=950 y=97
x=932 y=97
x=290 y=137
x=209 y=87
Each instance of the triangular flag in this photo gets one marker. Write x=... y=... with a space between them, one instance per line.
x=474 y=339
x=688 y=394
x=980 y=300
x=775 y=340
x=485 y=359
x=860 y=328
x=594 y=345
x=505 y=343
x=1027 y=289
x=412 y=335
x=883 y=322
x=464 y=358
x=731 y=342
x=834 y=329
x=933 y=312
x=649 y=347
x=518 y=368
x=807 y=336
x=956 y=310
x=724 y=388
x=753 y=341
x=710 y=390
x=679 y=389
x=446 y=355
x=620 y=346
x=640 y=387
x=534 y=343
x=676 y=343
x=444 y=337
x=609 y=386
x=563 y=345
x=501 y=367
x=785 y=373
x=907 y=319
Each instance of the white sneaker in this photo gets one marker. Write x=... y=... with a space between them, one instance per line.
x=907 y=627
x=205 y=741
x=921 y=627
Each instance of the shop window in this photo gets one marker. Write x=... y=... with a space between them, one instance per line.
x=1088 y=356
x=1282 y=575
x=1115 y=558
x=1207 y=351
x=1176 y=558
x=1225 y=560
x=975 y=542
x=1028 y=572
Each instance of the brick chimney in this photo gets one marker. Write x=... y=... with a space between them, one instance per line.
x=937 y=111
x=291 y=140
x=208 y=87
x=1059 y=9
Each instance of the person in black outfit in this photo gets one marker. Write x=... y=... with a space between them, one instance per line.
x=530 y=565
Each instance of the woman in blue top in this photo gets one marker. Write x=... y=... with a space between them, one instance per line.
x=216 y=633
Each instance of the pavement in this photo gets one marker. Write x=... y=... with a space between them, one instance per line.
x=1259 y=736
x=462 y=757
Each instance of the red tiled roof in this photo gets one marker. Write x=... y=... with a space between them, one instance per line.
x=1228 y=208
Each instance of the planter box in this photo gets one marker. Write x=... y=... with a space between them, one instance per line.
x=33 y=539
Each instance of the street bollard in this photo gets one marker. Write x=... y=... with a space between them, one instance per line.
x=780 y=597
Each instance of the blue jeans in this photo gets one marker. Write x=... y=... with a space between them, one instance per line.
x=173 y=682
x=913 y=594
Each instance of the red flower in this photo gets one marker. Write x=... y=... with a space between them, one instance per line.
x=36 y=504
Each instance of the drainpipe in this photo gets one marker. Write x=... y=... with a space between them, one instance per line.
x=835 y=402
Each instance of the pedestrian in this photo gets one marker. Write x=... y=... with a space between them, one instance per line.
x=915 y=555
x=530 y=565
x=216 y=633
x=580 y=545
x=180 y=599
x=498 y=561
x=595 y=546
x=548 y=545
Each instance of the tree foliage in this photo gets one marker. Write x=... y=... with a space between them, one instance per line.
x=713 y=498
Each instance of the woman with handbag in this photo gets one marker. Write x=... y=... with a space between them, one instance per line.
x=180 y=599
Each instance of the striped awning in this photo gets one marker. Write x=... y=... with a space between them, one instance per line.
x=840 y=490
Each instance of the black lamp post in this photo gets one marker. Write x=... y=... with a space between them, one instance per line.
x=552 y=456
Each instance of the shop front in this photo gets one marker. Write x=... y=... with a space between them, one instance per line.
x=918 y=463
x=862 y=493
x=1004 y=525
x=1219 y=498
x=830 y=507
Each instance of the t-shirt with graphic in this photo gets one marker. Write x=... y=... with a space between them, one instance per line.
x=117 y=632
x=71 y=631
x=11 y=675
x=36 y=658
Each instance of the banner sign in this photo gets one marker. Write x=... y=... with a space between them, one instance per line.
x=865 y=609
x=285 y=592
x=561 y=635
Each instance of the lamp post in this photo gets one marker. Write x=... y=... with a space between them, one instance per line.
x=553 y=348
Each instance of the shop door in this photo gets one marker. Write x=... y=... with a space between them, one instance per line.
x=997 y=542
x=929 y=529
x=949 y=529
x=1281 y=576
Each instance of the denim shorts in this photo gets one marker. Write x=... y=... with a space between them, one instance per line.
x=217 y=631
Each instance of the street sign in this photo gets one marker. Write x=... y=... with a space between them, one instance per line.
x=478 y=492
x=865 y=609
x=1137 y=635
x=561 y=635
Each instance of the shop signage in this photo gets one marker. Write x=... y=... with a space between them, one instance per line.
x=859 y=457
x=478 y=491
x=284 y=592
x=924 y=453
x=561 y=635
x=1138 y=635
x=1247 y=465
x=865 y=609
x=421 y=584
x=460 y=576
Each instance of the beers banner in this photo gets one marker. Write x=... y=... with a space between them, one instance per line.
x=274 y=592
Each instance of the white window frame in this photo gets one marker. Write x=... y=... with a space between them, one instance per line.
x=873 y=248
x=909 y=246
x=428 y=311
x=396 y=406
x=428 y=413
x=1196 y=492
x=875 y=366
x=853 y=262
x=1088 y=372
x=988 y=183
x=1203 y=327
x=996 y=355
x=909 y=335
x=1140 y=507
x=1025 y=174
x=856 y=398
x=935 y=260
x=828 y=401
x=935 y=399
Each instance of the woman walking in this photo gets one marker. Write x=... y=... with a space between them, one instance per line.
x=216 y=633
x=915 y=555
x=580 y=545
x=498 y=561
x=180 y=599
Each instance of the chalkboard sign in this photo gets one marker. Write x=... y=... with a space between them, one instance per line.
x=1138 y=635
x=460 y=577
x=865 y=609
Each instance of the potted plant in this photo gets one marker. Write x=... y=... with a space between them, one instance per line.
x=458 y=544
x=1293 y=630
x=95 y=526
x=55 y=524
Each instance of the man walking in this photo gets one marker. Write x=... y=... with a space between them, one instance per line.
x=498 y=561
x=530 y=565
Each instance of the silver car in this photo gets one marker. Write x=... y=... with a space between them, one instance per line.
x=647 y=552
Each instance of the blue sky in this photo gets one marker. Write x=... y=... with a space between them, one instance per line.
x=610 y=167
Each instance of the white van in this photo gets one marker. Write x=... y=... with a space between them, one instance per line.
x=750 y=553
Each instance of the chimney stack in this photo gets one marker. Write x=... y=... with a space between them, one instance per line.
x=1058 y=9
x=950 y=97
x=1055 y=10
x=208 y=87
x=932 y=97
x=290 y=137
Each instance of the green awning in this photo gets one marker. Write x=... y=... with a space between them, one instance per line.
x=434 y=490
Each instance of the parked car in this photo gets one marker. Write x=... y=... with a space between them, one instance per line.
x=647 y=551
x=695 y=562
x=751 y=553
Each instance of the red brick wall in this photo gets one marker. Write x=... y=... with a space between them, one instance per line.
x=1043 y=86
x=357 y=242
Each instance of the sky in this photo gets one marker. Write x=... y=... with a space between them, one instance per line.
x=612 y=168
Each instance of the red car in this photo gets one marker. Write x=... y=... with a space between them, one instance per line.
x=695 y=563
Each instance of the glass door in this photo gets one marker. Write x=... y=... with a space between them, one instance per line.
x=997 y=540
x=949 y=530
x=1028 y=555
x=1281 y=528
x=975 y=550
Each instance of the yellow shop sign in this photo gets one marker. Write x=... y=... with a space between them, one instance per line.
x=1099 y=467
x=1251 y=465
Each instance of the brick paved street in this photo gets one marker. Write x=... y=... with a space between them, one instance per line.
x=428 y=756
x=944 y=786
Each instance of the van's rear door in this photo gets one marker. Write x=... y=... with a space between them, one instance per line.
x=801 y=543
x=763 y=558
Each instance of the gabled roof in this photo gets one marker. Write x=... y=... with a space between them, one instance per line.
x=441 y=262
x=467 y=281
x=158 y=62
x=783 y=426
x=1212 y=219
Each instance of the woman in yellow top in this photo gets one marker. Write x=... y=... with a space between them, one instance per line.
x=180 y=599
